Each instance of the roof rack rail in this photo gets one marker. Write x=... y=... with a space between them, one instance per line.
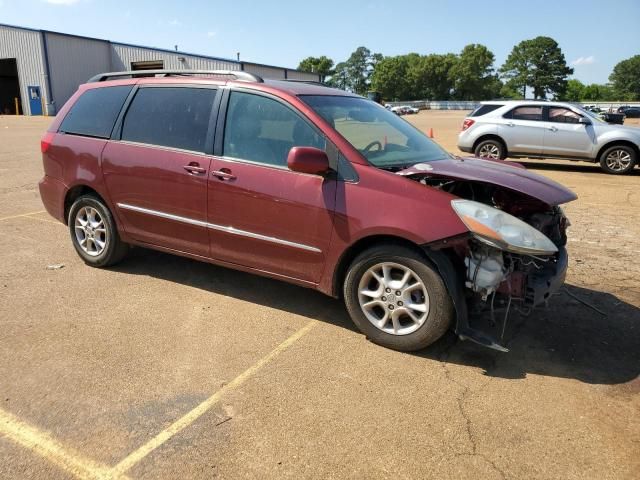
x=239 y=74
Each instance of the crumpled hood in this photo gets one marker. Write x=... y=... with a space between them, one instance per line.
x=512 y=176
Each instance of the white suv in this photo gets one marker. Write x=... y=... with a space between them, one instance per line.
x=539 y=129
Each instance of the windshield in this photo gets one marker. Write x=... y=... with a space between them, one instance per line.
x=382 y=137
x=591 y=115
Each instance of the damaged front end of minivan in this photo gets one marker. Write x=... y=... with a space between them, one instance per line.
x=513 y=257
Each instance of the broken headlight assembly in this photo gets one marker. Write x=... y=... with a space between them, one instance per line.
x=501 y=230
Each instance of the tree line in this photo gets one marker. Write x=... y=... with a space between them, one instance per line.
x=537 y=66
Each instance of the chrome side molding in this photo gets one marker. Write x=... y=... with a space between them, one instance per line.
x=226 y=229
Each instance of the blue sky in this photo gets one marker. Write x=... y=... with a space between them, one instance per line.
x=594 y=35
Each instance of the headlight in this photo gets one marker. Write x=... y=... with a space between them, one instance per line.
x=501 y=230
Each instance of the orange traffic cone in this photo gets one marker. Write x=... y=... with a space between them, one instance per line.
x=430 y=132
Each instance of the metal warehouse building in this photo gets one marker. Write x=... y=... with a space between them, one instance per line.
x=40 y=70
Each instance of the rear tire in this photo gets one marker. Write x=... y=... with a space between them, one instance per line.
x=491 y=149
x=618 y=160
x=94 y=234
x=396 y=298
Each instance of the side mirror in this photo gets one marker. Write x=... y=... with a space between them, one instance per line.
x=584 y=121
x=308 y=160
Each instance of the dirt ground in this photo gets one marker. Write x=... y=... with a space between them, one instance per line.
x=168 y=368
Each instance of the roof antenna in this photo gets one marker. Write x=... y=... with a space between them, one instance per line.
x=238 y=55
x=176 y=47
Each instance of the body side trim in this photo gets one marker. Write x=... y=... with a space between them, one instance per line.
x=221 y=228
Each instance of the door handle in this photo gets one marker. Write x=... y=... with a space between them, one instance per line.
x=511 y=124
x=195 y=169
x=223 y=174
x=553 y=129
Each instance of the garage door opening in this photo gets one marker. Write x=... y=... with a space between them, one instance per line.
x=9 y=87
x=148 y=65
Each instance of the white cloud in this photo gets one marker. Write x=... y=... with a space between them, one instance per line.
x=62 y=2
x=211 y=34
x=175 y=23
x=584 y=61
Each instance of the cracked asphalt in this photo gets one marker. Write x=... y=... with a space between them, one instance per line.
x=164 y=367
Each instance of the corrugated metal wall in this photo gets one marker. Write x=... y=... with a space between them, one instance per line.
x=264 y=71
x=73 y=60
x=123 y=55
x=26 y=47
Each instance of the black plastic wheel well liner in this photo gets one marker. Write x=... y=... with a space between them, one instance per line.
x=73 y=194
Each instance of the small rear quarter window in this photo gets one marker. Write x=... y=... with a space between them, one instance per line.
x=484 y=109
x=95 y=112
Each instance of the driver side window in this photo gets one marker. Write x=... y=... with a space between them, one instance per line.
x=563 y=115
x=263 y=130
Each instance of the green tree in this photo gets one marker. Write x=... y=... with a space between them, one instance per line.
x=322 y=65
x=354 y=74
x=538 y=63
x=574 y=91
x=339 y=78
x=472 y=75
x=391 y=77
x=431 y=76
x=626 y=78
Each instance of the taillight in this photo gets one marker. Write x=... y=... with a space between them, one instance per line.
x=467 y=123
x=46 y=141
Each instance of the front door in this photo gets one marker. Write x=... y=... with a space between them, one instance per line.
x=261 y=214
x=156 y=172
x=523 y=129
x=565 y=136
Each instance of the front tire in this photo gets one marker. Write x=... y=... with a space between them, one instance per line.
x=396 y=298
x=94 y=234
x=618 y=160
x=491 y=149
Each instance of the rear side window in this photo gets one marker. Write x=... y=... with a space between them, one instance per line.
x=263 y=130
x=170 y=117
x=563 y=115
x=484 y=109
x=525 y=113
x=95 y=112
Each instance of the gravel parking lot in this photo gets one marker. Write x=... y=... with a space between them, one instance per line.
x=164 y=367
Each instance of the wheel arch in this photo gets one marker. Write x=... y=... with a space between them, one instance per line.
x=614 y=143
x=76 y=192
x=347 y=257
x=490 y=136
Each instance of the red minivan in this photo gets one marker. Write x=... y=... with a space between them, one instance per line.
x=308 y=184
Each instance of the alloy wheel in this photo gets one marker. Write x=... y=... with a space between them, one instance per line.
x=489 y=150
x=91 y=231
x=618 y=160
x=393 y=298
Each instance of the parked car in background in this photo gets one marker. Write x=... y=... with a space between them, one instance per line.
x=515 y=129
x=631 y=112
x=306 y=184
x=405 y=110
x=593 y=108
x=409 y=110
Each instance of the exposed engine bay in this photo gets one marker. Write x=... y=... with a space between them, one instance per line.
x=496 y=279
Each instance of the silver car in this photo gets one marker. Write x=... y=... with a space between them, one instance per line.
x=501 y=129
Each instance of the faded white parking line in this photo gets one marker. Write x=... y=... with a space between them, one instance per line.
x=201 y=409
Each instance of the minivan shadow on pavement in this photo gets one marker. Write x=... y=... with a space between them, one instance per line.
x=567 y=340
